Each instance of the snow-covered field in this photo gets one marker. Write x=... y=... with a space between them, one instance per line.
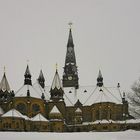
x=126 y=135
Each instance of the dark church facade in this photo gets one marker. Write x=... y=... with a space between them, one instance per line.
x=65 y=106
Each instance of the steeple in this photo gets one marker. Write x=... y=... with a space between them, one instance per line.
x=56 y=88
x=100 y=79
x=4 y=85
x=70 y=39
x=70 y=75
x=41 y=79
x=27 y=75
x=5 y=92
x=70 y=55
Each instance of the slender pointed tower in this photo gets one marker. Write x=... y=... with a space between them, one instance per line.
x=56 y=88
x=27 y=75
x=70 y=75
x=5 y=92
x=41 y=79
x=100 y=79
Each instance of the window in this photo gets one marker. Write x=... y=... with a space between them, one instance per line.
x=36 y=108
x=21 y=107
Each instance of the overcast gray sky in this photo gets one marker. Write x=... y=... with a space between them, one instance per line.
x=106 y=35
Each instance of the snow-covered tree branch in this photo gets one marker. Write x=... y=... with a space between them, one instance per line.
x=134 y=99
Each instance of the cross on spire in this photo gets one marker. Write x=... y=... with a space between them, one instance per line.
x=70 y=24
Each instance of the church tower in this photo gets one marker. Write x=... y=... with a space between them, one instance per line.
x=70 y=75
x=27 y=75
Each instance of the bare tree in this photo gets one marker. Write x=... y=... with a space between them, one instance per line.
x=134 y=99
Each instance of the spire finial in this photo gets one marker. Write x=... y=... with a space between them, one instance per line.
x=4 y=69
x=70 y=24
x=56 y=66
x=27 y=61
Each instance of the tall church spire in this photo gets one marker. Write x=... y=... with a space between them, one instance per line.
x=41 y=79
x=70 y=75
x=27 y=75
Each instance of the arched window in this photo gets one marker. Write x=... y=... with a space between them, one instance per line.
x=21 y=107
x=35 y=108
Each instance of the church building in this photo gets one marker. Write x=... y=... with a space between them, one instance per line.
x=65 y=106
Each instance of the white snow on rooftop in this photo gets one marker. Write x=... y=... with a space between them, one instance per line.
x=56 y=81
x=78 y=110
x=55 y=110
x=4 y=85
x=14 y=113
x=89 y=95
x=22 y=92
x=40 y=90
x=39 y=117
x=133 y=121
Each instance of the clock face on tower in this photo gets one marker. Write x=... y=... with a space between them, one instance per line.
x=70 y=77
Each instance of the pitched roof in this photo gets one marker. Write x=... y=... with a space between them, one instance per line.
x=56 y=82
x=4 y=85
x=92 y=94
x=39 y=117
x=14 y=113
x=78 y=110
x=55 y=110
x=22 y=92
x=40 y=90
x=89 y=95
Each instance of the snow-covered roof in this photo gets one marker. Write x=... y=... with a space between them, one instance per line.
x=40 y=90
x=39 y=117
x=56 y=82
x=14 y=113
x=1 y=111
x=57 y=120
x=22 y=92
x=4 y=85
x=99 y=121
x=133 y=121
x=55 y=110
x=78 y=110
x=89 y=95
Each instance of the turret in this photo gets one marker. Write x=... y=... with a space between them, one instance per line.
x=5 y=91
x=41 y=79
x=56 y=88
x=27 y=75
x=100 y=79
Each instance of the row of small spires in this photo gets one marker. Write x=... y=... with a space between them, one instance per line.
x=56 y=81
x=56 y=84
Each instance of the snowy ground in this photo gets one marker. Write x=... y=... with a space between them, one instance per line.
x=127 y=135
